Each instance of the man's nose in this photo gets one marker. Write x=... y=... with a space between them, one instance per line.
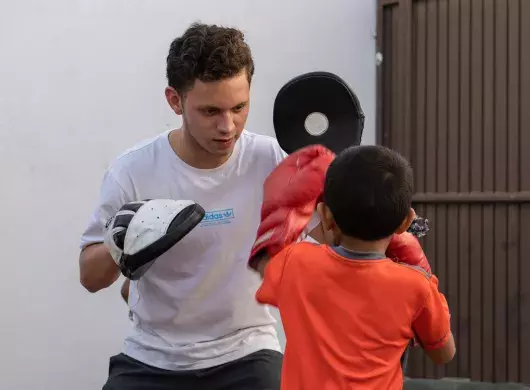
x=226 y=122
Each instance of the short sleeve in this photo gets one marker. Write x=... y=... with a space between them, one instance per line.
x=269 y=291
x=279 y=153
x=111 y=197
x=432 y=323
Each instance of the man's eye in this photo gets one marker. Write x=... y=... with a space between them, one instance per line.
x=211 y=111
x=238 y=108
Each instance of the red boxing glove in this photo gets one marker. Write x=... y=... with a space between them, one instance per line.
x=405 y=248
x=290 y=196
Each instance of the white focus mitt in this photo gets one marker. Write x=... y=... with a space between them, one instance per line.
x=142 y=231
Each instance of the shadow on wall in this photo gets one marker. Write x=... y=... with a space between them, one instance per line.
x=459 y=384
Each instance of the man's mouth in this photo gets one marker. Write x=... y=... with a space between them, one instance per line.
x=224 y=142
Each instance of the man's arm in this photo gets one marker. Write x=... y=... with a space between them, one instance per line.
x=97 y=268
x=125 y=290
x=432 y=326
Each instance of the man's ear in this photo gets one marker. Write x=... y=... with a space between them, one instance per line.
x=406 y=222
x=175 y=100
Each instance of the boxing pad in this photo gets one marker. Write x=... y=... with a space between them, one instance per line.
x=142 y=231
x=290 y=196
x=317 y=108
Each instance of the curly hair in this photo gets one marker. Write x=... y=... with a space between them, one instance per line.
x=208 y=53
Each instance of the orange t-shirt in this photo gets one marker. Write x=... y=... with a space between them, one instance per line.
x=348 y=320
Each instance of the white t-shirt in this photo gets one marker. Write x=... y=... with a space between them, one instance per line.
x=195 y=307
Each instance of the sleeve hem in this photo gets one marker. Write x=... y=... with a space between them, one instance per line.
x=438 y=344
x=85 y=244
x=270 y=294
x=262 y=301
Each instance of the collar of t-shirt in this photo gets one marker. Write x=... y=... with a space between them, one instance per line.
x=355 y=255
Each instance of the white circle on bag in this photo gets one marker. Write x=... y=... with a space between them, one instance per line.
x=316 y=123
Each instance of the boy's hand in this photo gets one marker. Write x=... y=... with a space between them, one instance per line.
x=290 y=196
x=260 y=262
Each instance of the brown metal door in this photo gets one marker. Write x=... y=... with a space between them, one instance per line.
x=454 y=98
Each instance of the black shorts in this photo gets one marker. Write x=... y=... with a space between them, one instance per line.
x=260 y=370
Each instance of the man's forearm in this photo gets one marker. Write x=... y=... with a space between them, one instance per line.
x=125 y=290
x=97 y=268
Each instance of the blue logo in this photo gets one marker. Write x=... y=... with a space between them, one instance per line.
x=217 y=217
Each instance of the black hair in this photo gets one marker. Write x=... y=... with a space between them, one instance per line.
x=207 y=52
x=368 y=190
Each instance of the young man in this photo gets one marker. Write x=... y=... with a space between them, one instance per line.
x=196 y=323
x=348 y=310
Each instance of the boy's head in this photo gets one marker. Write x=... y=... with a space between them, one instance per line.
x=368 y=193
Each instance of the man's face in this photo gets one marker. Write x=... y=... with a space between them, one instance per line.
x=215 y=113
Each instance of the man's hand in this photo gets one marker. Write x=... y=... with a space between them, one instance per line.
x=142 y=231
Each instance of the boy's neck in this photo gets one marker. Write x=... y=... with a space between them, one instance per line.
x=356 y=245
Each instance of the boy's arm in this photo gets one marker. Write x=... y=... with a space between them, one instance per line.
x=290 y=196
x=314 y=227
x=317 y=233
x=444 y=354
x=261 y=263
x=272 y=272
x=432 y=326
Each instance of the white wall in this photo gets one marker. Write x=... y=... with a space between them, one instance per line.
x=81 y=80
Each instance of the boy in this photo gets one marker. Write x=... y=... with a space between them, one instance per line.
x=349 y=311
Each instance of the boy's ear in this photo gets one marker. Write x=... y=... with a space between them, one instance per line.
x=329 y=227
x=325 y=216
x=406 y=222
